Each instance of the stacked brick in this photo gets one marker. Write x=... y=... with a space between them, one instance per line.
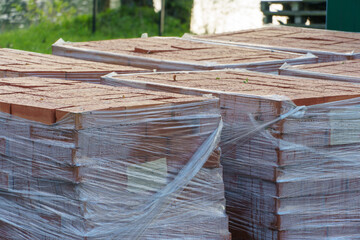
x=289 y=150
x=327 y=45
x=172 y=53
x=346 y=71
x=17 y=63
x=84 y=161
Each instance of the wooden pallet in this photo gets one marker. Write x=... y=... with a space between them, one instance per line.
x=284 y=166
x=297 y=11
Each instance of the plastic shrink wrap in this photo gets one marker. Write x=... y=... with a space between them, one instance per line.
x=85 y=161
x=172 y=54
x=328 y=45
x=290 y=151
x=345 y=71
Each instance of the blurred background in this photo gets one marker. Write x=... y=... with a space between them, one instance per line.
x=36 y=24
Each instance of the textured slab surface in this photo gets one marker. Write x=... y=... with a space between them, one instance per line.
x=17 y=63
x=295 y=37
x=182 y=50
x=47 y=100
x=301 y=91
x=170 y=53
x=349 y=68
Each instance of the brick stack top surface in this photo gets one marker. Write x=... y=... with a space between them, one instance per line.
x=49 y=100
x=24 y=61
x=302 y=91
x=294 y=37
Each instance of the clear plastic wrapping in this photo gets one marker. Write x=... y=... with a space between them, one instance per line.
x=172 y=54
x=327 y=45
x=344 y=71
x=150 y=173
x=290 y=172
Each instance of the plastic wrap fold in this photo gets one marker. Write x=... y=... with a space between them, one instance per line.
x=134 y=174
x=345 y=71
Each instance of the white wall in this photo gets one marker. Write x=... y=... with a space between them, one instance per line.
x=216 y=16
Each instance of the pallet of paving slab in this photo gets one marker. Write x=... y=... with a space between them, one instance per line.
x=279 y=160
x=171 y=53
x=71 y=153
x=326 y=44
x=18 y=63
x=345 y=71
x=297 y=11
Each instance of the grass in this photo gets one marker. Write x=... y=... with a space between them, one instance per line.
x=120 y=23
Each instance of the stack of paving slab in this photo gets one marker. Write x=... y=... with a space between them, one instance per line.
x=17 y=63
x=171 y=53
x=290 y=150
x=86 y=161
x=327 y=45
x=346 y=71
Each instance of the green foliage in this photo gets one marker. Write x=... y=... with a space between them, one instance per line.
x=137 y=3
x=126 y=22
x=22 y=13
x=102 y=5
x=60 y=11
x=11 y=14
x=179 y=9
x=53 y=11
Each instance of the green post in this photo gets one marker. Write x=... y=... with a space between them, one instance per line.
x=94 y=16
x=162 y=18
x=343 y=15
